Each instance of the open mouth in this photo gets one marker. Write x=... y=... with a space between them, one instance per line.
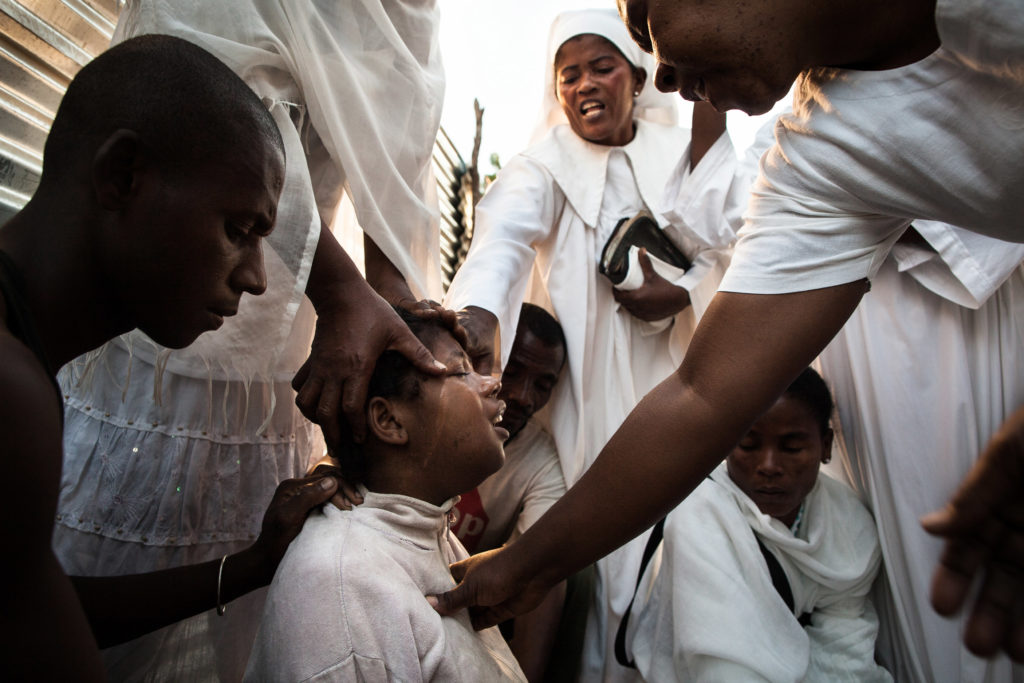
x=499 y=414
x=591 y=108
x=496 y=421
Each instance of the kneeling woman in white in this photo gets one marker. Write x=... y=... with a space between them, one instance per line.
x=708 y=608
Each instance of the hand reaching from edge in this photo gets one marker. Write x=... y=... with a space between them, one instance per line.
x=983 y=525
x=491 y=588
x=656 y=298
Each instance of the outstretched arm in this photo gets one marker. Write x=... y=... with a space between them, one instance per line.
x=120 y=608
x=384 y=277
x=354 y=326
x=746 y=351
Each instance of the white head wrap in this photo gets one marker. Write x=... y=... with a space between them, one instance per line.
x=650 y=105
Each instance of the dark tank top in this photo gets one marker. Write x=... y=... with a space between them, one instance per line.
x=19 y=317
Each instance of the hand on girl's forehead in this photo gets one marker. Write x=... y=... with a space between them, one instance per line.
x=447 y=349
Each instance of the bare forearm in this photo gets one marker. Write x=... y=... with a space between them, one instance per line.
x=383 y=276
x=333 y=272
x=641 y=474
x=120 y=608
x=747 y=350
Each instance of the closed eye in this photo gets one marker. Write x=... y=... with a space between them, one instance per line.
x=239 y=231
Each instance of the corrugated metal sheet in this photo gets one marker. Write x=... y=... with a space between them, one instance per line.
x=43 y=44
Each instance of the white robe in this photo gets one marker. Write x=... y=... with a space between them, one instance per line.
x=707 y=610
x=924 y=372
x=347 y=602
x=171 y=457
x=550 y=212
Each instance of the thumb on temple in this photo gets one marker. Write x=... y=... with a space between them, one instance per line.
x=406 y=343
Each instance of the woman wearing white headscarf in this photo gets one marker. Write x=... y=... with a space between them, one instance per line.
x=540 y=230
x=171 y=458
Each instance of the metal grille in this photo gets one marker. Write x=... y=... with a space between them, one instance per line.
x=43 y=44
x=454 y=201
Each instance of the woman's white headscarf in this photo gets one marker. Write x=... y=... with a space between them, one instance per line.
x=650 y=105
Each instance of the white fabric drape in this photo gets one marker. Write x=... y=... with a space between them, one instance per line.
x=924 y=372
x=347 y=602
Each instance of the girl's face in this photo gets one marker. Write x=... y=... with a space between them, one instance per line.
x=595 y=84
x=776 y=463
x=455 y=422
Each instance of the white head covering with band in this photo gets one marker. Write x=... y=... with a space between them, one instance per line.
x=650 y=104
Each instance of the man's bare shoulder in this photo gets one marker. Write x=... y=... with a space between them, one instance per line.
x=24 y=382
x=30 y=431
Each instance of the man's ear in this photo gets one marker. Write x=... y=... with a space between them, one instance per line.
x=826 y=440
x=385 y=423
x=116 y=167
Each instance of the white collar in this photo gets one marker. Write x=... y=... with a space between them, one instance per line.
x=580 y=168
x=409 y=519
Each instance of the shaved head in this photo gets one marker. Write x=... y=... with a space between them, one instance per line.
x=188 y=108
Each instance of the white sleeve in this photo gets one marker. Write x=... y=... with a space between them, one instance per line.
x=545 y=487
x=703 y=205
x=794 y=243
x=703 y=215
x=514 y=216
x=965 y=268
